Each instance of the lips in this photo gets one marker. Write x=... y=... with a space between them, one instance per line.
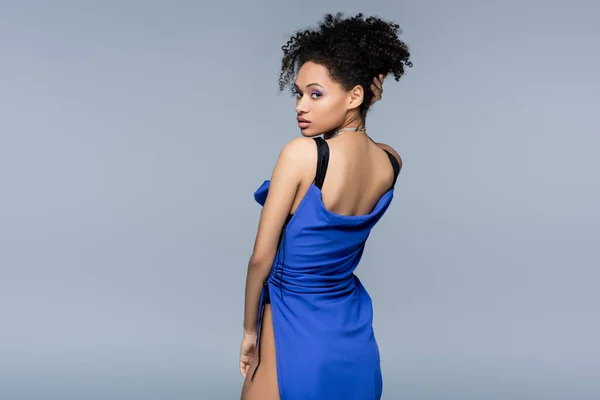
x=303 y=123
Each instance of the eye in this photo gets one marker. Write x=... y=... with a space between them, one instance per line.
x=315 y=95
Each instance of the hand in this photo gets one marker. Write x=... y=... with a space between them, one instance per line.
x=377 y=87
x=247 y=352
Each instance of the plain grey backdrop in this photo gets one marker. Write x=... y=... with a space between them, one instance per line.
x=133 y=134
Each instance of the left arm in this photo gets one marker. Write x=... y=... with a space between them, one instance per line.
x=285 y=181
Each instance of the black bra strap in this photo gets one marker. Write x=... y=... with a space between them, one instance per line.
x=395 y=165
x=322 y=161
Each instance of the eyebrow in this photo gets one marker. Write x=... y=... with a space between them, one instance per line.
x=309 y=85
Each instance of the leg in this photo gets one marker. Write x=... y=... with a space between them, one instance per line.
x=264 y=386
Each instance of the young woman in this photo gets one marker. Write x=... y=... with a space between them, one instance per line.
x=308 y=330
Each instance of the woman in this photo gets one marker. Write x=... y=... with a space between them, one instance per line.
x=308 y=320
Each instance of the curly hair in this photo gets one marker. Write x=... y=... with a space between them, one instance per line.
x=354 y=50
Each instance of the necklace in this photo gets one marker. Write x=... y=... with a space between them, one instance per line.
x=339 y=131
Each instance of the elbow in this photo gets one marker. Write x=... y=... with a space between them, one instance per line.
x=259 y=263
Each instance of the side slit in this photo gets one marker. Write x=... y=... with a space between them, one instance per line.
x=260 y=325
x=277 y=356
x=266 y=299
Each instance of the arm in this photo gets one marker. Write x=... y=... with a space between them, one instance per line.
x=285 y=181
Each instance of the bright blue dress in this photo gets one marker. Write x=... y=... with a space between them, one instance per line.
x=322 y=315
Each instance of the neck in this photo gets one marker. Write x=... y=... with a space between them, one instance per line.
x=352 y=121
x=344 y=130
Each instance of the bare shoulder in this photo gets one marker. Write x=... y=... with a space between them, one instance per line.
x=389 y=148
x=299 y=152
x=299 y=148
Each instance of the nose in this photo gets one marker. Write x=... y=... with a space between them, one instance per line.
x=301 y=106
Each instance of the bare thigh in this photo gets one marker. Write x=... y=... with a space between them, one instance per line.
x=264 y=386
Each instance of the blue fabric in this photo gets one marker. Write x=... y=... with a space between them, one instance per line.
x=322 y=314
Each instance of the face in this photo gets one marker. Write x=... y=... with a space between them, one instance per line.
x=321 y=103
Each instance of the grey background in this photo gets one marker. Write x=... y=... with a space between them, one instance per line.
x=133 y=135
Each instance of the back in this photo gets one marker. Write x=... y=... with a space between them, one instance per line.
x=358 y=173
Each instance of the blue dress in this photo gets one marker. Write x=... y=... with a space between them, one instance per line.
x=322 y=315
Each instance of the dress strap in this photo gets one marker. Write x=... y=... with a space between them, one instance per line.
x=322 y=161
x=395 y=165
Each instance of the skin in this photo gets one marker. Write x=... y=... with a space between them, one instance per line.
x=328 y=106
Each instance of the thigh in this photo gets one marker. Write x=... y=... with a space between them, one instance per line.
x=264 y=385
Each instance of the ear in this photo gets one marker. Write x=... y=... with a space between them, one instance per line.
x=356 y=96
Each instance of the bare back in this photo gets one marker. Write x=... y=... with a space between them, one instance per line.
x=359 y=172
